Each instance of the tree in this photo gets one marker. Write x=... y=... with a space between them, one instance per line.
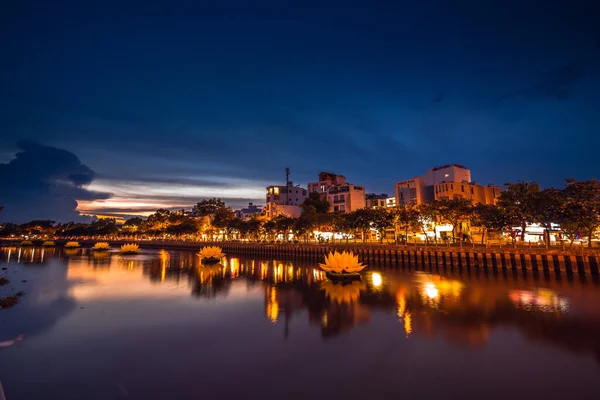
x=582 y=205
x=453 y=212
x=341 y=223
x=222 y=219
x=427 y=216
x=283 y=225
x=321 y=206
x=159 y=221
x=270 y=227
x=549 y=209
x=381 y=220
x=489 y=217
x=187 y=226
x=406 y=217
x=207 y=207
x=519 y=203
x=133 y=225
x=360 y=221
x=304 y=224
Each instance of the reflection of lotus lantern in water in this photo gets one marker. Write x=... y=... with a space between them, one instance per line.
x=210 y=280
x=342 y=294
x=72 y=245
x=71 y=251
x=342 y=265
x=211 y=254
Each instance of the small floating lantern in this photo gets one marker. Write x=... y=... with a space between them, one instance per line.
x=211 y=254
x=342 y=266
x=129 y=249
x=101 y=246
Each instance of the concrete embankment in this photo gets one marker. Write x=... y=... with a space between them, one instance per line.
x=419 y=257
x=414 y=257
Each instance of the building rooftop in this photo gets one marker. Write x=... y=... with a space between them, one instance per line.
x=448 y=166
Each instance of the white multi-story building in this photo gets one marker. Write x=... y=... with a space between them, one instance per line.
x=342 y=196
x=285 y=200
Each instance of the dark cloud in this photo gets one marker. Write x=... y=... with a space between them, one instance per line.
x=44 y=182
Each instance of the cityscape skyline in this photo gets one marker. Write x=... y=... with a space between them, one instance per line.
x=196 y=101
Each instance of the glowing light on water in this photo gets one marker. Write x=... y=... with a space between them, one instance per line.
x=376 y=279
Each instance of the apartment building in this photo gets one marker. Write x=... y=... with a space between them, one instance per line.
x=284 y=200
x=342 y=196
x=445 y=182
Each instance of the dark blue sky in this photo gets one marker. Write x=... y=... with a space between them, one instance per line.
x=170 y=102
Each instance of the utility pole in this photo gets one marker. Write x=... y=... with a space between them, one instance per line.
x=287 y=186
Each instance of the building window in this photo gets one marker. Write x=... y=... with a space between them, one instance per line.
x=335 y=208
x=341 y=197
x=276 y=190
x=342 y=208
x=270 y=190
x=463 y=188
x=472 y=191
x=446 y=175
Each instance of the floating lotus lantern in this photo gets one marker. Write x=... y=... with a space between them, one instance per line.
x=48 y=243
x=101 y=246
x=342 y=266
x=211 y=254
x=130 y=248
x=72 y=245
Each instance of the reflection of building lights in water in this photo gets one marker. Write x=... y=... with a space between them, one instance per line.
x=408 y=324
x=376 y=279
x=272 y=305
x=19 y=256
x=401 y=305
x=431 y=291
x=42 y=255
x=324 y=320
x=544 y=300
x=9 y=251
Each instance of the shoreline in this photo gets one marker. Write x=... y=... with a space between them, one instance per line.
x=395 y=256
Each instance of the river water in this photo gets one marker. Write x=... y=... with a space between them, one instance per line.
x=161 y=326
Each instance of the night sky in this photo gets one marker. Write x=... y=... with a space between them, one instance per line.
x=161 y=105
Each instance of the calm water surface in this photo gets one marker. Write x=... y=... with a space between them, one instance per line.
x=159 y=326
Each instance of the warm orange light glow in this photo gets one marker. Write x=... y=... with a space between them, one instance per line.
x=407 y=324
x=376 y=279
x=272 y=304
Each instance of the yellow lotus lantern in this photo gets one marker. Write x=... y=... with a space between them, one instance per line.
x=342 y=293
x=211 y=254
x=26 y=243
x=342 y=266
x=99 y=246
x=48 y=243
x=72 y=245
x=130 y=248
